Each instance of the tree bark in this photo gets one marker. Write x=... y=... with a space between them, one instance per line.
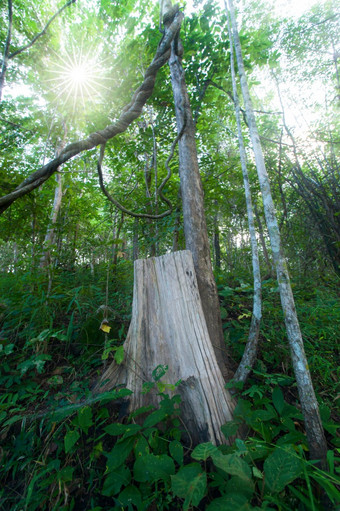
x=168 y=328
x=309 y=405
x=195 y=228
x=217 y=245
x=250 y=352
x=58 y=195
x=6 y=49
x=269 y=264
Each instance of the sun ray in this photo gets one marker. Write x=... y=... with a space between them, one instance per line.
x=77 y=78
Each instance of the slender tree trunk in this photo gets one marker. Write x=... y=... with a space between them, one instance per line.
x=309 y=405
x=116 y=234
x=175 y=238
x=135 y=247
x=195 y=228
x=269 y=264
x=217 y=245
x=249 y=355
x=6 y=49
x=58 y=194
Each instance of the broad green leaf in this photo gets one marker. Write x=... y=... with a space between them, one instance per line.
x=131 y=430
x=116 y=429
x=232 y=464
x=115 y=480
x=176 y=451
x=70 y=439
x=130 y=495
x=85 y=418
x=122 y=429
x=203 y=451
x=230 y=428
x=154 y=418
x=119 y=453
x=232 y=502
x=142 y=447
x=278 y=400
x=240 y=486
x=190 y=484
x=281 y=468
x=119 y=355
x=153 y=467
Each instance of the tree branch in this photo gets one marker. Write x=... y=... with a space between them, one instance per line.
x=159 y=190
x=43 y=32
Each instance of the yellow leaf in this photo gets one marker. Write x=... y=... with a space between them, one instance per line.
x=105 y=326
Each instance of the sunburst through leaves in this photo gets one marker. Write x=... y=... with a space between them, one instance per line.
x=78 y=79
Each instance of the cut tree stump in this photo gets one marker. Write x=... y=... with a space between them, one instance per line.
x=168 y=328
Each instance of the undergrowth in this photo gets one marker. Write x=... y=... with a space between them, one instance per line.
x=63 y=447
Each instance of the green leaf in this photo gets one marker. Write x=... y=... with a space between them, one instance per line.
x=119 y=453
x=281 y=468
x=115 y=480
x=154 y=418
x=278 y=400
x=116 y=429
x=131 y=430
x=239 y=486
x=36 y=362
x=159 y=372
x=232 y=464
x=147 y=386
x=85 y=418
x=119 y=355
x=70 y=439
x=65 y=474
x=203 y=451
x=176 y=451
x=232 y=502
x=230 y=428
x=142 y=447
x=9 y=349
x=190 y=484
x=153 y=467
x=130 y=495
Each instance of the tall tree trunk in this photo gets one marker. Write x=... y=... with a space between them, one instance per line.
x=6 y=48
x=135 y=247
x=217 y=245
x=309 y=405
x=195 y=228
x=270 y=267
x=175 y=238
x=58 y=194
x=249 y=355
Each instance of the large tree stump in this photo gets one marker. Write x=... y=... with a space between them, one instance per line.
x=168 y=328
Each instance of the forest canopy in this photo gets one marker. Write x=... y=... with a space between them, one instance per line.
x=103 y=105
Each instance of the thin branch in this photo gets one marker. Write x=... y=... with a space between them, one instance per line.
x=43 y=32
x=159 y=191
x=16 y=125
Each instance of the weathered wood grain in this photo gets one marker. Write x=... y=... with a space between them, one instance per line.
x=168 y=328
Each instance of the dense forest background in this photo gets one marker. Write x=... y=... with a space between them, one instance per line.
x=67 y=253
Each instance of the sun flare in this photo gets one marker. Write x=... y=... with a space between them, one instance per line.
x=77 y=79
